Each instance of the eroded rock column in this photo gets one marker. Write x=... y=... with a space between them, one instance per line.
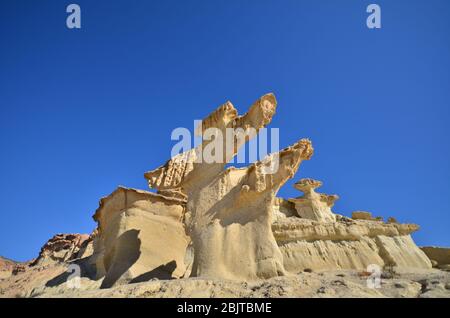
x=312 y=205
x=230 y=218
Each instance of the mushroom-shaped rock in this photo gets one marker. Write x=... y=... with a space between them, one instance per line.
x=312 y=205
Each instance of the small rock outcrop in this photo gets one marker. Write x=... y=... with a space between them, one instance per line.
x=60 y=248
x=226 y=227
x=439 y=255
x=312 y=205
x=188 y=170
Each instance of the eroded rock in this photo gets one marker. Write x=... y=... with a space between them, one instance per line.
x=140 y=236
x=230 y=219
x=6 y=267
x=440 y=255
x=227 y=228
x=60 y=248
x=312 y=239
x=312 y=205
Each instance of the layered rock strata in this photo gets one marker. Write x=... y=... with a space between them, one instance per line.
x=316 y=238
x=208 y=221
x=230 y=219
x=6 y=267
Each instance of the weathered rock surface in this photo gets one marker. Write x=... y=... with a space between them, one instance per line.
x=361 y=215
x=140 y=236
x=228 y=232
x=40 y=281
x=232 y=205
x=188 y=170
x=6 y=267
x=312 y=205
x=60 y=248
x=293 y=228
x=23 y=283
x=440 y=255
x=223 y=207
x=346 y=244
x=237 y=206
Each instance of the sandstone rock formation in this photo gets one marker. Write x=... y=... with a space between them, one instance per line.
x=140 y=236
x=361 y=215
x=6 y=267
x=226 y=227
x=419 y=284
x=344 y=243
x=440 y=255
x=228 y=224
x=60 y=248
x=312 y=205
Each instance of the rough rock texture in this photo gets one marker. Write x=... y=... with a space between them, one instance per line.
x=232 y=205
x=440 y=255
x=6 y=267
x=312 y=205
x=346 y=244
x=60 y=248
x=24 y=283
x=140 y=236
x=20 y=268
x=237 y=206
x=134 y=224
x=188 y=170
x=228 y=232
x=361 y=215
x=50 y=281
x=402 y=252
x=283 y=208
x=340 y=284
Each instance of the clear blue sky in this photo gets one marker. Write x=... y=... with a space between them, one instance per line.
x=82 y=111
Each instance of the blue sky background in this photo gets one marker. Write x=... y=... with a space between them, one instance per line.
x=82 y=111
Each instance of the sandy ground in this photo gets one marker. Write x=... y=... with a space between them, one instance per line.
x=51 y=281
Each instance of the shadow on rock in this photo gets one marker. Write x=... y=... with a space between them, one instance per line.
x=85 y=270
x=161 y=272
x=123 y=255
